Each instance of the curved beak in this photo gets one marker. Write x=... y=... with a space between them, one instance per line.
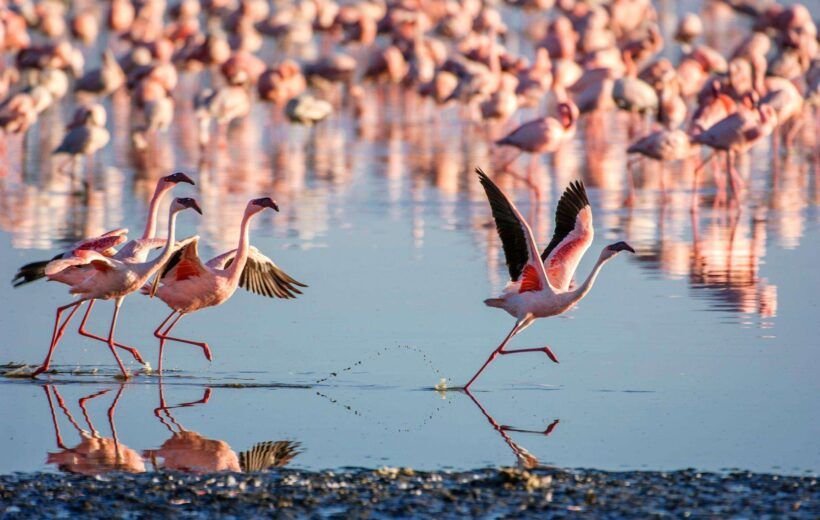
x=194 y=206
x=267 y=202
x=179 y=177
x=623 y=246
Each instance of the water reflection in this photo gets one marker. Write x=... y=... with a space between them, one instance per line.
x=524 y=458
x=185 y=450
x=95 y=454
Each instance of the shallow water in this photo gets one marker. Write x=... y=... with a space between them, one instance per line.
x=698 y=351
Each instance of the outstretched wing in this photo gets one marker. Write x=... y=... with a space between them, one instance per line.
x=80 y=258
x=516 y=236
x=572 y=237
x=183 y=264
x=267 y=455
x=104 y=242
x=260 y=275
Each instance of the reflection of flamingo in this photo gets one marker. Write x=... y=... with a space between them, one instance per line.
x=133 y=251
x=539 y=286
x=524 y=457
x=188 y=285
x=110 y=278
x=191 y=452
x=94 y=454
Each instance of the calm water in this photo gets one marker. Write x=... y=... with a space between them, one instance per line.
x=698 y=351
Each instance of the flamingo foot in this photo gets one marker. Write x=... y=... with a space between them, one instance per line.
x=546 y=350
x=39 y=371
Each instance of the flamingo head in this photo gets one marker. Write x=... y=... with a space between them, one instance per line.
x=567 y=113
x=176 y=178
x=613 y=249
x=183 y=203
x=257 y=205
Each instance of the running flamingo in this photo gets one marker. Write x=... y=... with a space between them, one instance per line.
x=111 y=278
x=539 y=286
x=186 y=285
x=133 y=251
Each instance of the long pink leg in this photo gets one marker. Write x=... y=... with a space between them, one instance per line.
x=511 y=160
x=111 y=346
x=630 y=199
x=57 y=334
x=134 y=352
x=162 y=343
x=201 y=344
x=81 y=402
x=57 y=434
x=111 y=423
x=519 y=325
x=696 y=179
x=734 y=176
x=545 y=350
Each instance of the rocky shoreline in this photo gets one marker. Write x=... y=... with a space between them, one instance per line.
x=392 y=492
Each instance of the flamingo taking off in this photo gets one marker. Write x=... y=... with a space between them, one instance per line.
x=186 y=285
x=539 y=285
x=110 y=278
x=135 y=250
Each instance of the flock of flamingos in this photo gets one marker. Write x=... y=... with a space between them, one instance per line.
x=575 y=64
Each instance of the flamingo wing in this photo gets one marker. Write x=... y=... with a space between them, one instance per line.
x=102 y=243
x=572 y=237
x=262 y=276
x=520 y=250
x=80 y=258
x=266 y=455
x=183 y=264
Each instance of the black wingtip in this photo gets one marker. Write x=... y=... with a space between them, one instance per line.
x=29 y=273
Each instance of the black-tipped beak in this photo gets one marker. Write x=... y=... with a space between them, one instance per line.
x=190 y=203
x=267 y=202
x=179 y=177
x=621 y=246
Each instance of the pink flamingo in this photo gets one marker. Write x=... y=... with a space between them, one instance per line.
x=133 y=251
x=663 y=146
x=111 y=278
x=539 y=286
x=543 y=135
x=735 y=134
x=187 y=285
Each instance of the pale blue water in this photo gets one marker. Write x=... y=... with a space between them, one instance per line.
x=693 y=353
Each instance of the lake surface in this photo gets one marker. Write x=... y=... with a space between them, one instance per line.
x=701 y=350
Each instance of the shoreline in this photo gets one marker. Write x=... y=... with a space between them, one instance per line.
x=408 y=493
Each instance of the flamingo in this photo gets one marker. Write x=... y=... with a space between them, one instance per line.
x=187 y=285
x=111 y=278
x=539 y=286
x=734 y=134
x=663 y=146
x=136 y=250
x=543 y=135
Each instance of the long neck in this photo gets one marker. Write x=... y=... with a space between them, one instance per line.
x=151 y=224
x=168 y=251
x=585 y=287
x=234 y=272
